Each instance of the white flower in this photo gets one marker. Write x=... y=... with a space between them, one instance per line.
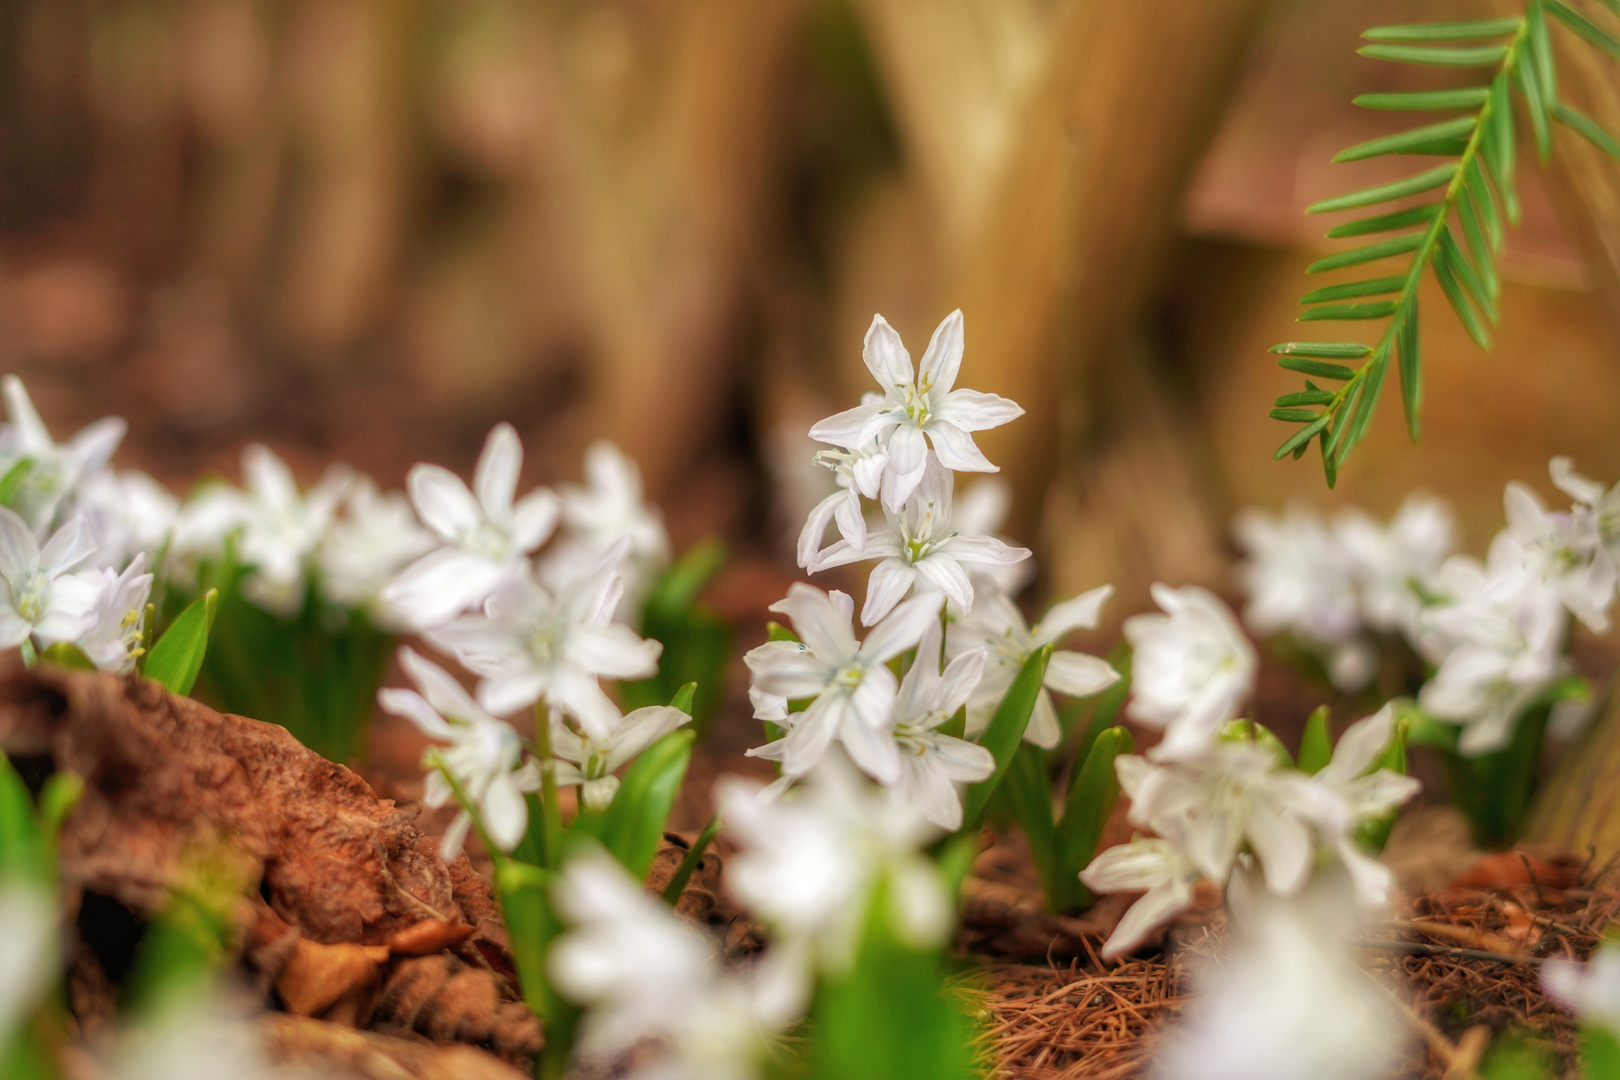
x=1156 y=866
x=484 y=755
x=114 y=641
x=998 y=626
x=981 y=510
x=202 y=1036
x=1391 y=564
x=920 y=548
x=611 y=507
x=856 y=472
x=1287 y=1002
x=1231 y=794
x=127 y=513
x=1560 y=549
x=1499 y=645
x=39 y=594
x=1192 y=668
x=934 y=764
x=52 y=471
x=486 y=534
x=810 y=861
x=1355 y=795
x=1591 y=990
x=646 y=975
x=854 y=691
x=915 y=405
x=1597 y=511
x=591 y=762
x=366 y=548
x=1298 y=581
x=530 y=643
x=29 y=962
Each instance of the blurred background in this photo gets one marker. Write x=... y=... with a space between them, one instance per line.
x=368 y=229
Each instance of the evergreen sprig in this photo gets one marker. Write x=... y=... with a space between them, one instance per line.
x=1456 y=236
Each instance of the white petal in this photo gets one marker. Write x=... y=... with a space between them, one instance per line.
x=984 y=550
x=534 y=519
x=1078 y=674
x=875 y=752
x=956 y=449
x=495 y=479
x=411 y=705
x=506 y=815
x=908 y=460
x=901 y=630
x=820 y=622
x=455 y=836
x=815 y=527
x=945 y=574
x=447 y=696
x=613 y=651
x=442 y=501
x=641 y=729
x=1079 y=613
x=1158 y=906
x=67 y=547
x=18 y=548
x=972 y=410
x=32 y=433
x=886 y=356
x=936 y=372
x=1571 y=483
x=890 y=581
x=1044 y=730
x=846 y=429
x=807 y=741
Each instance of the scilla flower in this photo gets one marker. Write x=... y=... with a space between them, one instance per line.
x=484 y=754
x=1561 y=550
x=918 y=407
x=39 y=594
x=1192 y=668
x=857 y=473
x=935 y=765
x=114 y=641
x=1392 y=563
x=591 y=762
x=52 y=471
x=1156 y=868
x=376 y=536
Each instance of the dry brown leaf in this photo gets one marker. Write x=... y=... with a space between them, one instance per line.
x=317 y=976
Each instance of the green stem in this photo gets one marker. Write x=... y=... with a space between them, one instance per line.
x=689 y=863
x=550 y=812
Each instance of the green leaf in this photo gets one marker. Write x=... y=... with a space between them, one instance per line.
x=633 y=825
x=1478 y=56
x=24 y=850
x=1541 y=49
x=1400 y=219
x=1406 y=344
x=1529 y=79
x=1296 y=416
x=1454 y=31
x=1479 y=197
x=1400 y=189
x=12 y=482
x=1466 y=274
x=1501 y=148
x=1352 y=289
x=684 y=697
x=1090 y=800
x=1324 y=350
x=1006 y=730
x=1583 y=26
x=678 y=589
x=689 y=862
x=1317 y=368
x=1479 y=248
x=1030 y=795
x=532 y=848
x=1588 y=129
x=178 y=655
x=1398 y=245
x=1299 y=439
x=1306 y=397
x=1315 y=745
x=1459 y=300
x=68 y=655
x=1378 y=309
x=532 y=926
x=1471 y=97
x=1366 y=402
x=1402 y=142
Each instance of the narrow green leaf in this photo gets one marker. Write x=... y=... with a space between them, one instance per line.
x=1402 y=142
x=678 y=589
x=690 y=861
x=1307 y=397
x=1440 y=174
x=1400 y=219
x=1086 y=808
x=1342 y=422
x=1406 y=343
x=1459 y=300
x=1541 y=49
x=1471 y=97
x=1528 y=77
x=1478 y=56
x=1316 y=744
x=178 y=655
x=1323 y=350
x=1006 y=731
x=633 y=825
x=1479 y=195
x=68 y=655
x=1351 y=290
x=684 y=697
x=1588 y=129
x=1504 y=185
x=1301 y=438
x=1384 y=249
x=1501 y=147
x=1466 y=275
x=1455 y=31
x=24 y=851
x=1295 y=416
x=1377 y=309
x=1583 y=26
x=1029 y=793
x=1479 y=248
x=1316 y=367
x=12 y=482
x=1372 y=384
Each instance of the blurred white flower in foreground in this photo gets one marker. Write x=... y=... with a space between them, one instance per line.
x=28 y=963
x=1299 y=582
x=934 y=764
x=918 y=403
x=997 y=626
x=643 y=974
x=128 y=513
x=530 y=643
x=1590 y=990
x=113 y=642
x=1156 y=868
x=811 y=859
x=485 y=532
x=854 y=690
x=920 y=549
x=1192 y=668
x=206 y=1037
x=590 y=762
x=52 y=471
x=484 y=755
x=1596 y=511
x=1287 y=1001
x=374 y=539
x=39 y=593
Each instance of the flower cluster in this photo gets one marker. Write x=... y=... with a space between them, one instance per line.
x=942 y=586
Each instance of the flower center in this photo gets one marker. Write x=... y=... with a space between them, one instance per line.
x=544 y=642
x=28 y=595
x=487 y=541
x=850 y=677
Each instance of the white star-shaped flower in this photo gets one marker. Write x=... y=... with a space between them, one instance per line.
x=919 y=407
x=1192 y=668
x=485 y=533
x=935 y=765
x=127 y=513
x=1155 y=868
x=854 y=690
x=114 y=640
x=484 y=755
x=1590 y=990
x=39 y=593
x=1392 y=563
x=52 y=471
x=591 y=762
x=1562 y=551
x=376 y=536
x=856 y=473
